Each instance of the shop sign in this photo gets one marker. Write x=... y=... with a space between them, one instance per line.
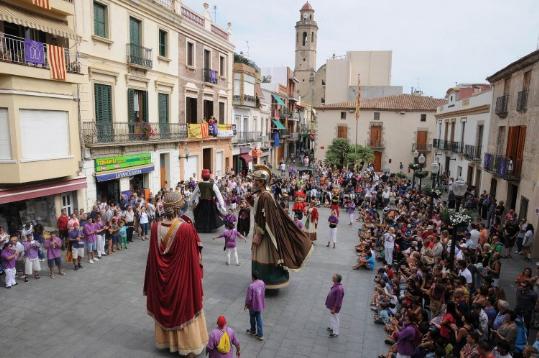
x=122 y=161
x=124 y=174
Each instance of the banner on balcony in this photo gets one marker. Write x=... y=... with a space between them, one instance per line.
x=276 y=138
x=198 y=130
x=34 y=52
x=57 y=62
x=225 y=130
x=42 y=3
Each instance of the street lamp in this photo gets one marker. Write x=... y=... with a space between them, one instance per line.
x=435 y=168
x=421 y=161
x=459 y=189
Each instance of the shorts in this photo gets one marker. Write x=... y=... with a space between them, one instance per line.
x=52 y=262
x=91 y=246
x=115 y=239
x=31 y=266
x=77 y=252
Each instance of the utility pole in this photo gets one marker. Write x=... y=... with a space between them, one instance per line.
x=358 y=102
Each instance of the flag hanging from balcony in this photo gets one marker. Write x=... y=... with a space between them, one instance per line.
x=34 y=52
x=57 y=62
x=42 y=3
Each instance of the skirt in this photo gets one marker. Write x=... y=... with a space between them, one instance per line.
x=264 y=266
x=191 y=338
x=207 y=217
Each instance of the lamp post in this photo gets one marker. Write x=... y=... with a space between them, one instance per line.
x=435 y=168
x=421 y=160
x=459 y=189
x=416 y=155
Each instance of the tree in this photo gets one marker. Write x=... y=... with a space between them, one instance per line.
x=342 y=154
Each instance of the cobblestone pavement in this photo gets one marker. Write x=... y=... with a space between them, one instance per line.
x=100 y=311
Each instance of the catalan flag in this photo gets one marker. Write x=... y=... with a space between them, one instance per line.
x=205 y=130
x=42 y=3
x=57 y=62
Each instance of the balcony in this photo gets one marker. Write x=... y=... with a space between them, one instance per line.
x=502 y=166
x=456 y=147
x=522 y=101
x=193 y=16
x=211 y=76
x=248 y=137
x=244 y=100
x=376 y=143
x=421 y=147
x=139 y=56
x=12 y=51
x=472 y=152
x=437 y=143
x=97 y=134
x=501 y=106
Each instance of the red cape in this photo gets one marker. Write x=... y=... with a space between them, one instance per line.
x=173 y=282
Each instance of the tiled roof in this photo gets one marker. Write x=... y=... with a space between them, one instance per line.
x=307 y=7
x=403 y=102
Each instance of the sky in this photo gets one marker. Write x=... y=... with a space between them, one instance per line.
x=435 y=43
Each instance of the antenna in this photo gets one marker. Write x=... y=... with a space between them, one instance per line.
x=247 y=44
x=215 y=13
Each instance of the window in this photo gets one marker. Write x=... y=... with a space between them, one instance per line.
x=162 y=104
x=163 y=43
x=190 y=53
x=207 y=59
x=191 y=110
x=342 y=132
x=137 y=106
x=304 y=38
x=343 y=115
x=323 y=83
x=135 y=33
x=222 y=66
x=312 y=36
x=376 y=116
x=100 y=19
x=322 y=100
x=5 y=141
x=67 y=203
x=221 y=112
x=33 y=124
x=103 y=111
x=459 y=171
x=462 y=131
x=423 y=117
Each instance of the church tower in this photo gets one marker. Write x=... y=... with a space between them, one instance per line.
x=305 y=67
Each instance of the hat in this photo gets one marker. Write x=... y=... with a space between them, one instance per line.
x=221 y=321
x=205 y=174
x=262 y=172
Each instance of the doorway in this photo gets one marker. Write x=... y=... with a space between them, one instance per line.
x=493 y=187
x=477 y=180
x=208 y=109
x=512 y=192
x=207 y=159
x=376 y=137
x=377 y=161
x=469 y=176
x=163 y=165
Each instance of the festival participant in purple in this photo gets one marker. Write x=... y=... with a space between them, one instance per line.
x=333 y=221
x=31 y=257
x=350 y=209
x=255 y=303
x=53 y=244
x=205 y=198
x=230 y=235
x=9 y=257
x=90 y=237
x=333 y=304
x=220 y=344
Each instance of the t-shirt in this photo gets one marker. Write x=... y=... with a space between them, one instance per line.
x=467 y=275
x=74 y=236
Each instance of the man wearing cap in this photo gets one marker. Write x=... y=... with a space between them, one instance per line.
x=278 y=244
x=215 y=337
x=173 y=281
x=207 y=214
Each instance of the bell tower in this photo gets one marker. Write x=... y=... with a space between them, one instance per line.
x=306 y=37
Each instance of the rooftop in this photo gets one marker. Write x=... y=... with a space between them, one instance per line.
x=307 y=7
x=403 y=102
x=515 y=66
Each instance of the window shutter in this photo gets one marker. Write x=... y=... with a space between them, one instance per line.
x=130 y=105
x=145 y=104
x=163 y=107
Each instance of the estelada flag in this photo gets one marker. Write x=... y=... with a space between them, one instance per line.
x=205 y=130
x=42 y=3
x=57 y=62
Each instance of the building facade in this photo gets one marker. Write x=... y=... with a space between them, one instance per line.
x=511 y=162
x=148 y=90
x=40 y=77
x=394 y=127
x=461 y=136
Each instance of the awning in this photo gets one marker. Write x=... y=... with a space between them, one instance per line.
x=258 y=92
x=246 y=157
x=24 y=18
x=106 y=176
x=278 y=99
x=27 y=192
x=278 y=124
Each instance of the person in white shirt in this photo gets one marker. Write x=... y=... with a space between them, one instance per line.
x=389 y=245
x=464 y=272
x=473 y=241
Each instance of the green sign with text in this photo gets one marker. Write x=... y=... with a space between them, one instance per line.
x=122 y=161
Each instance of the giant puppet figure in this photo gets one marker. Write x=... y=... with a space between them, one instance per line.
x=278 y=244
x=173 y=281
x=205 y=197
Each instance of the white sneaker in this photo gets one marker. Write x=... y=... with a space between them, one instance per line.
x=96 y=258
x=91 y=261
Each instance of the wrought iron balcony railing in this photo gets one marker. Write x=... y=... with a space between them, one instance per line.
x=522 y=101
x=376 y=143
x=456 y=147
x=131 y=133
x=502 y=166
x=138 y=55
x=472 y=152
x=501 y=106
x=421 y=147
x=211 y=76
x=12 y=50
x=248 y=137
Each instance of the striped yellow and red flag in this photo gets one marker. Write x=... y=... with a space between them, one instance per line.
x=205 y=130
x=42 y=3
x=57 y=62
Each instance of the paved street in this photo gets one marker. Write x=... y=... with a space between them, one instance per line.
x=100 y=311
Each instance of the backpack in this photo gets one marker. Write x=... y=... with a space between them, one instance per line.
x=224 y=343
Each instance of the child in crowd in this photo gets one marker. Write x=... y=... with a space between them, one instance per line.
x=53 y=244
x=9 y=258
x=114 y=235
x=123 y=235
x=230 y=235
x=77 y=246
x=333 y=220
x=298 y=222
x=31 y=257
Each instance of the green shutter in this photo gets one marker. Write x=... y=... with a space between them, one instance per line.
x=134 y=31
x=162 y=43
x=100 y=11
x=103 y=103
x=162 y=100
x=130 y=105
x=145 y=109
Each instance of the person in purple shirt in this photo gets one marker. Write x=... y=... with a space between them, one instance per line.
x=334 y=303
x=90 y=236
x=230 y=235
x=333 y=220
x=254 y=302
x=406 y=339
x=54 y=254
x=215 y=337
x=9 y=257
x=31 y=257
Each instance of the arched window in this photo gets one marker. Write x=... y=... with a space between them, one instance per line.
x=304 y=38
x=312 y=36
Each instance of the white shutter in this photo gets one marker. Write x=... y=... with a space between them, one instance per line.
x=191 y=168
x=219 y=164
x=5 y=142
x=44 y=134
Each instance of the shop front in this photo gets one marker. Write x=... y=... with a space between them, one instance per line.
x=123 y=175
x=38 y=202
